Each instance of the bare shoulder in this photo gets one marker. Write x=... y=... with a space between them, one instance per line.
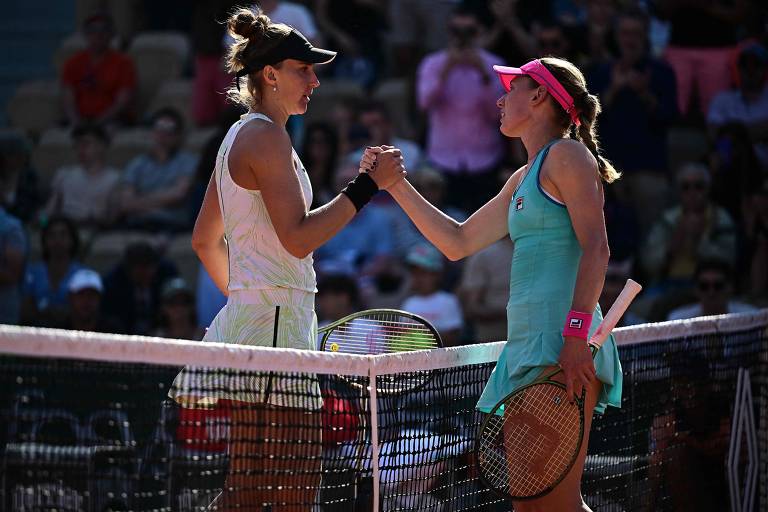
x=570 y=159
x=261 y=139
x=514 y=180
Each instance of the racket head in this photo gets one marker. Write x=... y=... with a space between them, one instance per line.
x=379 y=331
x=383 y=331
x=530 y=440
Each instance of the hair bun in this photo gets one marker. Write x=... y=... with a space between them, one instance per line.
x=247 y=24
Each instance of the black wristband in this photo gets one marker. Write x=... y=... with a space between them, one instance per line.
x=360 y=190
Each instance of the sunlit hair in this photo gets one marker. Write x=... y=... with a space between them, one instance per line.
x=588 y=106
x=255 y=35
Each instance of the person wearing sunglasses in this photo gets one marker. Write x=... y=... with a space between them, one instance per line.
x=714 y=288
x=695 y=228
x=456 y=90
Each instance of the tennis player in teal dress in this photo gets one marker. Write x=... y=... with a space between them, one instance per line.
x=541 y=284
x=552 y=208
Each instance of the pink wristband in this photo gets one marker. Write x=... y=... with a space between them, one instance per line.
x=577 y=324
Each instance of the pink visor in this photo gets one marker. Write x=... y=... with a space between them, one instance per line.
x=536 y=70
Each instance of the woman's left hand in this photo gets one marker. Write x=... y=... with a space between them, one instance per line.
x=578 y=367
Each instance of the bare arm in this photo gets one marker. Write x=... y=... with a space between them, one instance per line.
x=457 y=240
x=268 y=154
x=571 y=173
x=576 y=179
x=208 y=238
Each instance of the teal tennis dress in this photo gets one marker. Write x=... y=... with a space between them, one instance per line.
x=541 y=284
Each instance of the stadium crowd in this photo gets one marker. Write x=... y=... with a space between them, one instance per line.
x=96 y=207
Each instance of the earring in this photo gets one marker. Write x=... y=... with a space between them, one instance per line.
x=274 y=89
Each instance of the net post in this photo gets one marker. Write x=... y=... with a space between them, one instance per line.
x=374 y=410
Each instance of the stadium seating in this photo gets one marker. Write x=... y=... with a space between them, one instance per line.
x=35 y=106
x=159 y=57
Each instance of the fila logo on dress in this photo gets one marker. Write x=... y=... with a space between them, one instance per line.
x=519 y=203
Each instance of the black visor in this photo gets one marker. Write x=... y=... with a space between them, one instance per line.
x=293 y=46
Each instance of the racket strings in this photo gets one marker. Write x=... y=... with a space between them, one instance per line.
x=381 y=334
x=384 y=333
x=530 y=448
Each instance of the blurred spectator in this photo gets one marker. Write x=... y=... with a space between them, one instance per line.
x=736 y=171
x=337 y=297
x=748 y=104
x=366 y=242
x=756 y=229
x=550 y=39
x=432 y=185
x=154 y=186
x=621 y=224
x=376 y=121
x=510 y=28
x=689 y=443
x=714 y=286
x=457 y=90
x=85 y=314
x=211 y=79
x=616 y=275
x=320 y=158
x=13 y=255
x=83 y=191
x=693 y=230
x=640 y=88
x=592 y=40
x=484 y=294
x=356 y=29
x=98 y=83
x=132 y=288
x=20 y=192
x=438 y=307
x=417 y=28
x=46 y=282
x=178 y=319
x=702 y=37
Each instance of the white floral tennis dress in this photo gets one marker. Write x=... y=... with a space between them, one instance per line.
x=270 y=303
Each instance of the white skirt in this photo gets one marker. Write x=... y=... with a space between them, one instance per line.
x=277 y=317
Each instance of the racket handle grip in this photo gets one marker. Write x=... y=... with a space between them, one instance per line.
x=616 y=311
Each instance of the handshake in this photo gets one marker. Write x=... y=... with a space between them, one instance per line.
x=384 y=164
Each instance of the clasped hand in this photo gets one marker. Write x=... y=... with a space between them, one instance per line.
x=384 y=164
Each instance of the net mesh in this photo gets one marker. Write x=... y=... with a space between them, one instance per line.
x=87 y=424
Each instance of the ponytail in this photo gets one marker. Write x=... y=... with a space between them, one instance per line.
x=588 y=106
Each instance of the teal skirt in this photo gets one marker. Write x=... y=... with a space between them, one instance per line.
x=526 y=354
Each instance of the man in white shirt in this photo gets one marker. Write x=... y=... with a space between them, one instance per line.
x=747 y=105
x=438 y=307
x=713 y=288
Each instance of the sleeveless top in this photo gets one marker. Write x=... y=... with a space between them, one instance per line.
x=542 y=281
x=257 y=259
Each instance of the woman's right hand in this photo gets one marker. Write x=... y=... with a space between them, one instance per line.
x=387 y=168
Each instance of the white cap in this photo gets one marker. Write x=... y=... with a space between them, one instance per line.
x=85 y=279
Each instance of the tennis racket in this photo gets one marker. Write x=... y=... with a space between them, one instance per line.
x=383 y=331
x=531 y=438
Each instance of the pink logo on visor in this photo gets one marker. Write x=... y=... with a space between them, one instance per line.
x=536 y=70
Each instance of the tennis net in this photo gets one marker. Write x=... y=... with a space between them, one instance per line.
x=93 y=422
